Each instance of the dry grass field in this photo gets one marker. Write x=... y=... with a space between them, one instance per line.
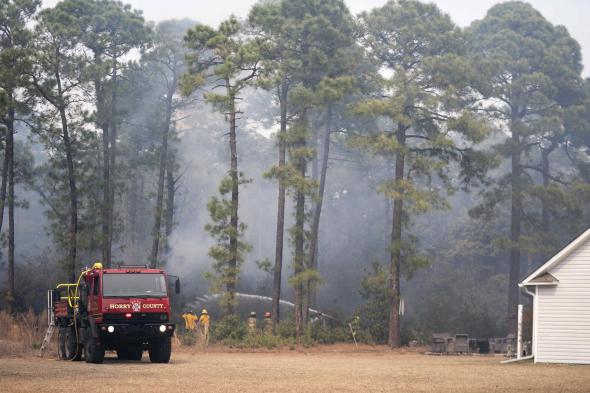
x=321 y=369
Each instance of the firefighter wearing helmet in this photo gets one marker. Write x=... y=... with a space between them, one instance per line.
x=190 y=320
x=252 y=322
x=267 y=322
x=204 y=321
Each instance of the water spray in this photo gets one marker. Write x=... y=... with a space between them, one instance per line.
x=207 y=298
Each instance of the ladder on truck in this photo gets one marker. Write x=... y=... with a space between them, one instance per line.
x=47 y=338
x=50 y=323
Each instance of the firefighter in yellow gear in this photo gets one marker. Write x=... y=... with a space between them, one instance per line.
x=252 y=322
x=204 y=326
x=267 y=322
x=190 y=320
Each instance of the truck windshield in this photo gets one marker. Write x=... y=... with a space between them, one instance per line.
x=133 y=285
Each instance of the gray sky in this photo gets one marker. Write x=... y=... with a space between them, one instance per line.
x=570 y=13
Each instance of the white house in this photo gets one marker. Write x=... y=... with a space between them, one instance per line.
x=561 y=305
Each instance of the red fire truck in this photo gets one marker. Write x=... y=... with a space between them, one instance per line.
x=125 y=309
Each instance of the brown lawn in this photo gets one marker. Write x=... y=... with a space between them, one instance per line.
x=321 y=369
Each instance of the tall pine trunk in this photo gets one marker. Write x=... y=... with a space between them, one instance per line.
x=10 y=153
x=234 y=223
x=161 y=179
x=544 y=203
x=104 y=124
x=4 y=180
x=515 y=229
x=393 y=339
x=73 y=191
x=73 y=195
x=132 y=202
x=142 y=231
x=113 y=158
x=315 y=227
x=546 y=171
x=170 y=194
x=315 y=175
x=278 y=268
x=299 y=254
x=106 y=249
x=95 y=203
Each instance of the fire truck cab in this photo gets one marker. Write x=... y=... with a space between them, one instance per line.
x=125 y=309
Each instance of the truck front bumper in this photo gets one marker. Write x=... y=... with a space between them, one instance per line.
x=134 y=331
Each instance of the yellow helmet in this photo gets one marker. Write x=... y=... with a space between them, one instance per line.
x=204 y=311
x=97 y=265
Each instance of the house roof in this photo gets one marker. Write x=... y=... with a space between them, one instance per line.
x=544 y=279
x=541 y=276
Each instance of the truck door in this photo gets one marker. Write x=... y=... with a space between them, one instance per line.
x=94 y=296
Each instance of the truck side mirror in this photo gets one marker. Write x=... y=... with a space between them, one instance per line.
x=177 y=286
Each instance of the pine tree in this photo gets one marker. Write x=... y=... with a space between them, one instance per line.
x=287 y=30
x=56 y=79
x=110 y=30
x=15 y=52
x=168 y=59
x=308 y=44
x=142 y=111
x=229 y=62
x=524 y=62
x=423 y=99
x=276 y=76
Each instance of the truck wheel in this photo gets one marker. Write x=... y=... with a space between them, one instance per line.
x=160 y=350
x=61 y=344
x=131 y=352
x=93 y=351
x=72 y=350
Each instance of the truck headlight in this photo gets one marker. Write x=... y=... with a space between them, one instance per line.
x=111 y=329
x=162 y=328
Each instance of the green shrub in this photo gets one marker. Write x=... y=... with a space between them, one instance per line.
x=234 y=332
x=230 y=328
x=374 y=313
x=363 y=336
x=407 y=335
x=307 y=337
x=286 y=328
x=330 y=335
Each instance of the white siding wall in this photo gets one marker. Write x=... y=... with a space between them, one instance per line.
x=563 y=312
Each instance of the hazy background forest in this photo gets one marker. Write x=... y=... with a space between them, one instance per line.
x=422 y=161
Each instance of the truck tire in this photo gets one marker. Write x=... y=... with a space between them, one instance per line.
x=160 y=350
x=130 y=352
x=61 y=344
x=72 y=350
x=93 y=351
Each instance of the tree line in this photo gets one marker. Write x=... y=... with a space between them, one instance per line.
x=499 y=109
